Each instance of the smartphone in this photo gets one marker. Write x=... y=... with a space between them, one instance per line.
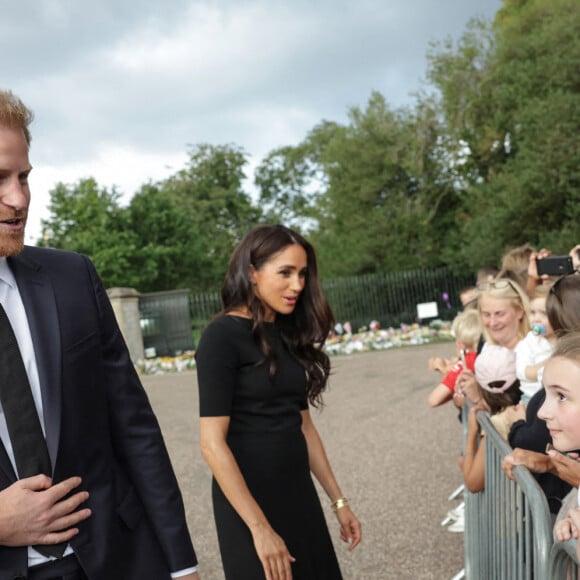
x=554 y=265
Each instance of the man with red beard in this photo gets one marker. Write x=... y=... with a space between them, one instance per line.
x=102 y=502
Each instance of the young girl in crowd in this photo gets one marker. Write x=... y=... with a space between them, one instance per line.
x=467 y=329
x=536 y=347
x=529 y=435
x=561 y=409
x=499 y=389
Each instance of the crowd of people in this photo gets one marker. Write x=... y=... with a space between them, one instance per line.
x=518 y=358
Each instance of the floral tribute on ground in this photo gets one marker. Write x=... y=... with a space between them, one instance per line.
x=343 y=341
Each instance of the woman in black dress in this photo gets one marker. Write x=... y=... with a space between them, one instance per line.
x=260 y=364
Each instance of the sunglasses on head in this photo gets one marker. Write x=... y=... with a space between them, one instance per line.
x=498 y=284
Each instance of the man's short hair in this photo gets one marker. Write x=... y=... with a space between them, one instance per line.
x=15 y=114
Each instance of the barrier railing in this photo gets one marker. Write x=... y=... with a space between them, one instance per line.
x=564 y=560
x=508 y=528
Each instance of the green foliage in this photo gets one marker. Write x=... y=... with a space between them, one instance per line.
x=88 y=219
x=530 y=191
x=178 y=233
x=369 y=193
x=190 y=223
x=486 y=162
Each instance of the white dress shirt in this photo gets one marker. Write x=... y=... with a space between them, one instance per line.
x=12 y=304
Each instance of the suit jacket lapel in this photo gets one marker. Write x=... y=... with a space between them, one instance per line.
x=6 y=465
x=39 y=302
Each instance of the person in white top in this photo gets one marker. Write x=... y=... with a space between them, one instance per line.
x=533 y=350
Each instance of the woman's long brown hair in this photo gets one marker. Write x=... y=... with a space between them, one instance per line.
x=305 y=330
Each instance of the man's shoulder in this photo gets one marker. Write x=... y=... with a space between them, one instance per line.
x=33 y=255
x=48 y=261
x=47 y=253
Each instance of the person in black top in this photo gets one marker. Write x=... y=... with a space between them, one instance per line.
x=555 y=472
x=260 y=364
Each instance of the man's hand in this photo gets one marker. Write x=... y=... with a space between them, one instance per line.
x=33 y=511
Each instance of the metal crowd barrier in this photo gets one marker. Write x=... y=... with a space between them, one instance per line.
x=564 y=560
x=508 y=528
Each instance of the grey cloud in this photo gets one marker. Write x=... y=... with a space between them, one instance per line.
x=305 y=60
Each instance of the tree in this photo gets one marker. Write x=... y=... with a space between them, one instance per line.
x=510 y=93
x=369 y=192
x=87 y=219
x=189 y=223
x=291 y=179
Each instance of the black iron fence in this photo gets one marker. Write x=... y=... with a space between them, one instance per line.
x=166 y=322
x=173 y=321
x=392 y=298
x=389 y=298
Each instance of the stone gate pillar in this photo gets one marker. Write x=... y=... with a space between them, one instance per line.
x=125 y=302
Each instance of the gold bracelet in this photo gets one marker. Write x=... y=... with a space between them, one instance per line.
x=339 y=503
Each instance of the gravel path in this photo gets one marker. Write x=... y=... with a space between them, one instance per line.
x=395 y=459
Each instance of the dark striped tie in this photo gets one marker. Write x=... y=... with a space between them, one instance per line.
x=28 y=443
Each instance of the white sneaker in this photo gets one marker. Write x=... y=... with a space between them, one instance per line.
x=457 y=526
x=457 y=512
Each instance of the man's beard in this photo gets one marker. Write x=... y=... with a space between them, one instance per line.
x=11 y=244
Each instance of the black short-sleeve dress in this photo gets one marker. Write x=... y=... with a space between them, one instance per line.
x=266 y=439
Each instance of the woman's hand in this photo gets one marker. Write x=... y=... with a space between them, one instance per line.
x=350 y=528
x=458 y=399
x=467 y=385
x=575 y=255
x=565 y=529
x=534 y=461
x=273 y=553
x=574 y=516
x=566 y=468
x=472 y=422
x=533 y=267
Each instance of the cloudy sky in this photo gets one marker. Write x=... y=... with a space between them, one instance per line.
x=120 y=88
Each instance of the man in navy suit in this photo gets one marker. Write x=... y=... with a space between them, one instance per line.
x=113 y=498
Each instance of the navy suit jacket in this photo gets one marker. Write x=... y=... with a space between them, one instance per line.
x=99 y=426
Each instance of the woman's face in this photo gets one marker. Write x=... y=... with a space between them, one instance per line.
x=501 y=319
x=561 y=409
x=280 y=280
